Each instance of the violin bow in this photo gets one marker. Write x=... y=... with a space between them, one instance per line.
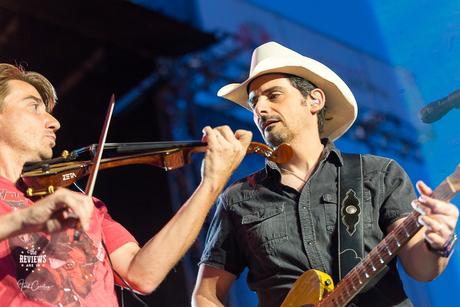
x=97 y=158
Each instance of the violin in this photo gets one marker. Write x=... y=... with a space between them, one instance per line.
x=42 y=178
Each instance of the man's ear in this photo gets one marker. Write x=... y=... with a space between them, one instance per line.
x=317 y=100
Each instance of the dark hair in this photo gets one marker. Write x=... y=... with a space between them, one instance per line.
x=305 y=87
x=10 y=72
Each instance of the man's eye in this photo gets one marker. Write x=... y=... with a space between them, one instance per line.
x=273 y=96
x=36 y=106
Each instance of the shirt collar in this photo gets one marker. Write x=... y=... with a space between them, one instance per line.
x=330 y=153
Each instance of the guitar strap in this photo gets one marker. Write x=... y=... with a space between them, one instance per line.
x=350 y=213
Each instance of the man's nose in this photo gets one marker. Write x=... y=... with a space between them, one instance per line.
x=261 y=107
x=52 y=122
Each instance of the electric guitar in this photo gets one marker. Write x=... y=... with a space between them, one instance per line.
x=316 y=288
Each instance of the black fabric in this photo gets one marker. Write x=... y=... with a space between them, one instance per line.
x=278 y=233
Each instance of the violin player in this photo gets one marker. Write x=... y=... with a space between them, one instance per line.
x=40 y=263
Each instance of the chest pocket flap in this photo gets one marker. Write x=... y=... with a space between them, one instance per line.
x=329 y=198
x=262 y=214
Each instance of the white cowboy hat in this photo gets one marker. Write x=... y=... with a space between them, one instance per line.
x=274 y=58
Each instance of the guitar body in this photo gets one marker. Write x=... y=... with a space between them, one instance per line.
x=309 y=289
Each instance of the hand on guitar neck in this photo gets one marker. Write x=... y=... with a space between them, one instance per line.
x=438 y=217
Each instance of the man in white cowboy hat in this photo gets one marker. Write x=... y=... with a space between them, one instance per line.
x=282 y=220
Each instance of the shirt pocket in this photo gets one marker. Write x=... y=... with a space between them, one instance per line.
x=368 y=209
x=265 y=228
x=329 y=201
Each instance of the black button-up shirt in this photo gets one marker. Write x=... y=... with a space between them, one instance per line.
x=278 y=232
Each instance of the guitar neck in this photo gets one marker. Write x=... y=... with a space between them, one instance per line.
x=382 y=254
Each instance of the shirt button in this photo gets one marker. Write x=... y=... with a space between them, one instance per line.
x=304 y=207
x=310 y=242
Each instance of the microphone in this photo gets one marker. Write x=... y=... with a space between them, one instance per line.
x=438 y=108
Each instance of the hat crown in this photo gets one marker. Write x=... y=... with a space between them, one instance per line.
x=269 y=50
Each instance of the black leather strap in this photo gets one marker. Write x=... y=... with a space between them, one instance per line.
x=350 y=213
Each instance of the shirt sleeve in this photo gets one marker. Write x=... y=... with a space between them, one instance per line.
x=221 y=249
x=398 y=195
x=114 y=234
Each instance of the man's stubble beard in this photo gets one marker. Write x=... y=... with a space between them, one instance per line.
x=276 y=137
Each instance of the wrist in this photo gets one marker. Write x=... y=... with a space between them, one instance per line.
x=22 y=220
x=214 y=187
x=446 y=250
